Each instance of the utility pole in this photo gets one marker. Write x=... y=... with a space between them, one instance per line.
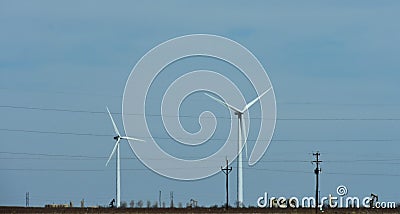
x=27 y=199
x=317 y=170
x=171 y=195
x=159 y=199
x=227 y=170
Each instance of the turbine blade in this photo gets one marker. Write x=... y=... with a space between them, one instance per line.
x=244 y=134
x=255 y=100
x=113 y=151
x=132 y=138
x=112 y=120
x=223 y=103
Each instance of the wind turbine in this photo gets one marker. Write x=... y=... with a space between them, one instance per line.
x=118 y=138
x=241 y=131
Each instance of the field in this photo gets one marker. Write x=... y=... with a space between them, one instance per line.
x=184 y=210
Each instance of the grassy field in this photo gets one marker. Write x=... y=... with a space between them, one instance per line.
x=184 y=210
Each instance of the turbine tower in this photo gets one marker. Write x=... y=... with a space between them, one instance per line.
x=241 y=134
x=118 y=138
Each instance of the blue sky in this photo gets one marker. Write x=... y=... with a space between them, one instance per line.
x=334 y=67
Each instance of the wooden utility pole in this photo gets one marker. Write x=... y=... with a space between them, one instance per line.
x=317 y=171
x=27 y=199
x=159 y=198
x=227 y=170
x=171 y=196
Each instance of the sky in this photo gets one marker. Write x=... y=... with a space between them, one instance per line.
x=333 y=65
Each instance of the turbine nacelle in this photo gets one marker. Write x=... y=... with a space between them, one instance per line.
x=239 y=113
x=118 y=137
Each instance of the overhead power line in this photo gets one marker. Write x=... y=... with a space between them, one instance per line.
x=185 y=169
x=74 y=93
x=196 y=116
x=53 y=132
x=46 y=156
x=214 y=139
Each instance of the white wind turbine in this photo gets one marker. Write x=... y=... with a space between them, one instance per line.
x=117 y=138
x=241 y=132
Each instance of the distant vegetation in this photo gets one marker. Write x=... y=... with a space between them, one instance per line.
x=184 y=210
